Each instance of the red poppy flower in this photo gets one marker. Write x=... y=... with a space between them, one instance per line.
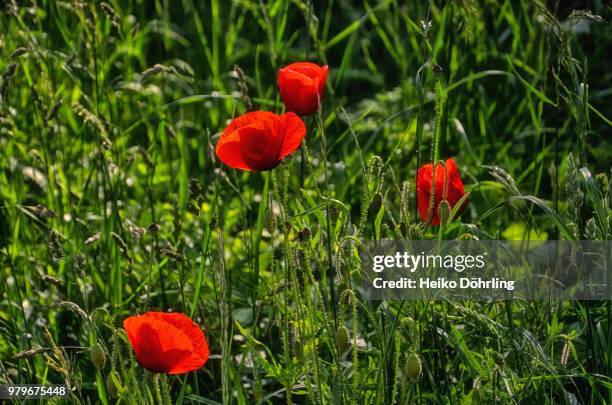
x=447 y=186
x=168 y=343
x=302 y=86
x=259 y=140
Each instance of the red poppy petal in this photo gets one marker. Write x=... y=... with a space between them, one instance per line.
x=260 y=148
x=454 y=178
x=189 y=328
x=308 y=69
x=228 y=151
x=455 y=185
x=290 y=81
x=167 y=342
x=424 y=190
x=297 y=92
x=322 y=81
x=248 y=119
x=144 y=338
x=294 y=132
x=228 y=148
x=310 y=99
x=148 y=350
x=185 y=361
x=446 y=180
x=152 y=352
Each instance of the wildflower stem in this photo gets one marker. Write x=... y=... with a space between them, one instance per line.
x=258 y=230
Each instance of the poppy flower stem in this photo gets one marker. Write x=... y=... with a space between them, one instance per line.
x=162 y=283
x=330 y=270
x=302 y=154
x=165 y=390
x=259 y=229
x=439 y=128
x=157 y=389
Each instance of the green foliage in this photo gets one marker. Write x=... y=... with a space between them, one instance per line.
x=112 y=201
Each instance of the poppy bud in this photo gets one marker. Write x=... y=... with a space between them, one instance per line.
x=444 y=212
x=342 y=338
x=270 y=221
x=97 y=356
x=302 y=86
x=413 y=367
x=111 y=384
x=572 y=275
x=409 y=326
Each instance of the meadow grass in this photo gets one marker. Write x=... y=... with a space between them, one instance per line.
x=112 y=201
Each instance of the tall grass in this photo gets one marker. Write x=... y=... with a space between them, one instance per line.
x=112 y=201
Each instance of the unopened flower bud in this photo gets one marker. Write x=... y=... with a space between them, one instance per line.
x=342 y=338
x=444 y=212
x=97 y=356
x=413 y=367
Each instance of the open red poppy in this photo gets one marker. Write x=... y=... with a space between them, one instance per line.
x=168 y=343
x=447 y=186
x=259 y=140
x=302 y=86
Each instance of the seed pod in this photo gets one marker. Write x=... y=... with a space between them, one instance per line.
x=270 y=221
x=111 y=384
x=413 y=367
x=444 y=212
x=571 y=276
x=97 y=356
x=342 y=338
x=409 y=326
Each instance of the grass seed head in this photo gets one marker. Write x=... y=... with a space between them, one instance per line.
x=52 y=280
x=56 y=249
x=18 y=52
x=303 y=236
x=30 y=352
